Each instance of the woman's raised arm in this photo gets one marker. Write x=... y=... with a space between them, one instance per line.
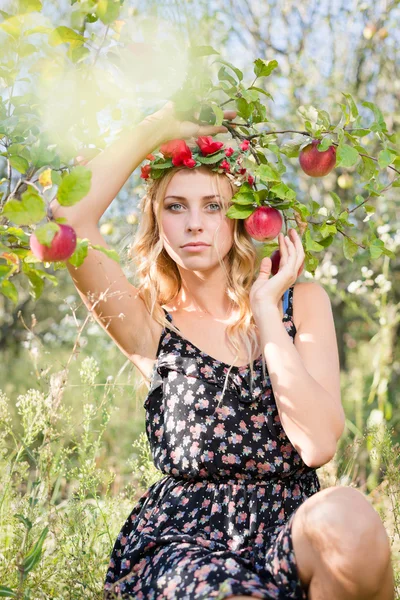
x=112 y=167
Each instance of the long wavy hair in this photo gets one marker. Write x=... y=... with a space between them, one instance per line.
x=158 y=279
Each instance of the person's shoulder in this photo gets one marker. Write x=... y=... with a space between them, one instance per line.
x=308 y=288
x=307 y=294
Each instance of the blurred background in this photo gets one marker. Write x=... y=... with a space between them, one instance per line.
x=50 y=347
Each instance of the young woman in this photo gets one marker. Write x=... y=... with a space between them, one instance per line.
x=243 y=402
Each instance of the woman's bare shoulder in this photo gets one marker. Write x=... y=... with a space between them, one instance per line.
x=305 y=294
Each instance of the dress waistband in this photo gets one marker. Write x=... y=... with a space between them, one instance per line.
x=287 y=479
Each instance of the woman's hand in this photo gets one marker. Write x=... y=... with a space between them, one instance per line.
x=170 y=128
x=267 y=291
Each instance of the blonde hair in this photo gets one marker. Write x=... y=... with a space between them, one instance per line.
x=158 y=278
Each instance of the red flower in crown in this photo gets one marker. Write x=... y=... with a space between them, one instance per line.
x=180 y=153
x=225 y=165
x=145 y=172
x=245 y=145
x=207 y=145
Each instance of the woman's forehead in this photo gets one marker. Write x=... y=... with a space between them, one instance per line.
x=196 y=183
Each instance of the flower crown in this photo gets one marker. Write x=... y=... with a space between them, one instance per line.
x=176 y=153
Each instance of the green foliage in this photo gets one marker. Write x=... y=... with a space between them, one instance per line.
x=38 y=171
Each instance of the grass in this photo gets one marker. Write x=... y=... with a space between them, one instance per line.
x=65 y=476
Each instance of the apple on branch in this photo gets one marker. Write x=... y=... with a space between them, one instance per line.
x=316 y=163
x=276 y=259
x=264 y=223
x=62 y=246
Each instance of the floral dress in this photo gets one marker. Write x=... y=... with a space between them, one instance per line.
x=219 y=522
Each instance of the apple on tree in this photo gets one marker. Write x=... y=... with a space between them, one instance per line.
x=276 y=259
x=316 y=163
x=264 y=223
x=62 y=246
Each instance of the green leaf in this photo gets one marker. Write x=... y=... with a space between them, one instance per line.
x=33 y=557
x=379 y=123
x=27 y=6
x=198 y=51
x=24 y=520
x=15 y=232
x=245 y=198
x=327 y=241
x=258 y=89
x=263 y=68
x=367 y=168
x=108 y=10
x=36 y=282
x=310 y=243
x=55 y=177
x=12 y=26
x=251 y=95
x=237 y=71
x=65 y=35
x=223 y=75
x=326 y=143
x=346 y=156
x=80 y=252
x=283 y=191
x=219 y=114
x=37 y=29
x=46 y=233
x=74 y=186
x=6 y=592
x=310 y=262
x=5 y=271
x=162 y=165
x=79 y=54
x=30 y=210
x=111 y=253
x=325 y=230
x=376 y=248
x=25 y=49
x=10 y=291
x=245 y=109
x=239 y=212
x=268 y=173
x=19 y=163
x=211 y=158
x=349 y=248
x=352 y=104
x=337 y=202
x=385 y=157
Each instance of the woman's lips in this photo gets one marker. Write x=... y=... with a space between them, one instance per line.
x=197 y=247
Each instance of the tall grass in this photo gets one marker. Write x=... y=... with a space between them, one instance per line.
x=63 y=501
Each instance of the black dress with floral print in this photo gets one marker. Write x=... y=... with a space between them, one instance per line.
x=219 y=522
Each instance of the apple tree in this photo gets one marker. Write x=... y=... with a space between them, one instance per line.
x=61 y=87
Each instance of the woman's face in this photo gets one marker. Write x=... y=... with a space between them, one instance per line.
x=191 y=212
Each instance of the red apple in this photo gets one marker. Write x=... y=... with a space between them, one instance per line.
x=276 y=259
x=62 y=245
x=264 y=223
x=315 y=163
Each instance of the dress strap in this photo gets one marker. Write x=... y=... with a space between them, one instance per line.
x=167 y=315
x=288 y=302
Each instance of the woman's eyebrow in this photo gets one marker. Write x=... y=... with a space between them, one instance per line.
x=203 y=198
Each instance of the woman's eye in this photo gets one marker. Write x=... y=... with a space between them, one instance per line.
x=172 y=205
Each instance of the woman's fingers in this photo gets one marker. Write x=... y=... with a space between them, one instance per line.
x=297 y=246
x=230 y=114
x=283 y=250
x=211 y=129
